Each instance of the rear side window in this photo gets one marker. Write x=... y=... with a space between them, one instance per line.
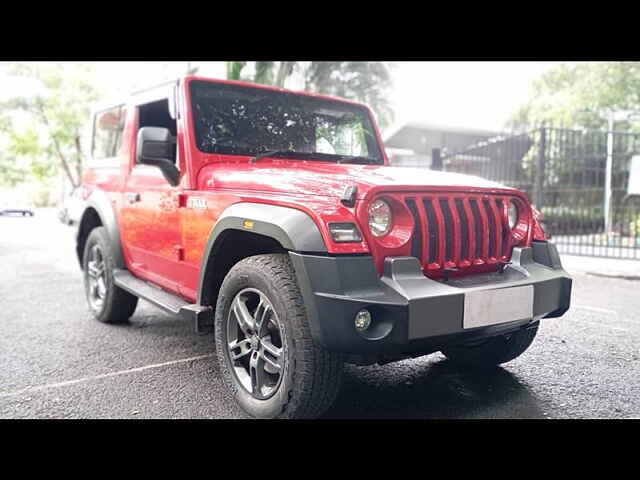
x=107 y=132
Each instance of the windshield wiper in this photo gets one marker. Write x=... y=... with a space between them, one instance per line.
x=316 y=156
x=359 y=159
x=271 y=153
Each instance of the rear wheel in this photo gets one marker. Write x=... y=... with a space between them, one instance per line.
x=494 y=351
x=265 y=350
x=107 y=302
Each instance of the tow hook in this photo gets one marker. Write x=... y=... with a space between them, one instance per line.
x=503 y=266
x=446 y=271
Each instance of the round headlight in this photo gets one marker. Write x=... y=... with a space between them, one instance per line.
x=512 y=214
x=380 y=218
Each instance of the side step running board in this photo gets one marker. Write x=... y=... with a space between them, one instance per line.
x=202 y=316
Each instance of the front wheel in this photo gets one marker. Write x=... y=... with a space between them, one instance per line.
x=266 y=354
x=494 y=351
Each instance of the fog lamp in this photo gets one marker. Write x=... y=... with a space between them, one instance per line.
x=363 y=320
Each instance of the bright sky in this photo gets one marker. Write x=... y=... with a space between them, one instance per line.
x=461 y=94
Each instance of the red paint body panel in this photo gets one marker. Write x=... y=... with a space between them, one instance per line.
x=164 y=241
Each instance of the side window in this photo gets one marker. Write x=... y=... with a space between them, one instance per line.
x=156 y=114
x=107 y=132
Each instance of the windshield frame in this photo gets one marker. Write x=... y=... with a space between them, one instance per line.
x=375 y=153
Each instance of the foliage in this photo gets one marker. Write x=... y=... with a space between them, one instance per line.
x=634 y=226
x=10 y=172
x=56 y=116
x=234 y=70
x=572 y=221
x=367 y=82
x=581 y=95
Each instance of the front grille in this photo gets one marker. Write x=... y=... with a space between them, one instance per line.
x=455 y=231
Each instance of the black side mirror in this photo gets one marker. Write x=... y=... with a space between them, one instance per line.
x=155 y=147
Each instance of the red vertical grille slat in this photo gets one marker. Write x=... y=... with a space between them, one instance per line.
x=422 y=214
x=433 y=238
x=484 y=232
x=459 y=231
x=507 y=239
x=418 y=229
x=435 y=203
x=457 y=241
x=471 y=231
x=498 y=228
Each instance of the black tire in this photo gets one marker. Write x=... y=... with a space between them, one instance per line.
x=118 y=304
x=494 y=351
x=311 y=376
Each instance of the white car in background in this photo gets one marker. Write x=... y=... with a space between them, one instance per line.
x=16 y=210
x=71 y=208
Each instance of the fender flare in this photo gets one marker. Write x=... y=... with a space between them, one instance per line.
x=100 y=202
x=294 y=229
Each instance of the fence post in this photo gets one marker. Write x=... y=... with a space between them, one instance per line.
x=436 y=159
x=538 y=182
x=608 y=176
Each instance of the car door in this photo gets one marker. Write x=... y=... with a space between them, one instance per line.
x=150 y=217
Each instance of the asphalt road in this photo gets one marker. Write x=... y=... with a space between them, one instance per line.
x=56 y=362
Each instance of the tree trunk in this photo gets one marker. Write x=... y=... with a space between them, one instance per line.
x=79 y=156
x=264 y=73
x=63 y=160
x=234 y=69
x=65 y=164
x=286 y=68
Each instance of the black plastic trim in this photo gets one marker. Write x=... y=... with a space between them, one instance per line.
x=293 y=229
x=100 y=202
x=410 y=307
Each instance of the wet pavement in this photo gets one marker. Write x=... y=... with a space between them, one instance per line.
x=59 y=363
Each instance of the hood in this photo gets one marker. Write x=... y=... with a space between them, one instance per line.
x=328 y=179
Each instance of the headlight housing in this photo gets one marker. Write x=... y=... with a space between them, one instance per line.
x=512 y=214
x=380 y=218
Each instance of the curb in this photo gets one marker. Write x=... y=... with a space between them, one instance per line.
x=615 y=275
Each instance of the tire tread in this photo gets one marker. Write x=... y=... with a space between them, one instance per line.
x=119 y=304
x=317 y=373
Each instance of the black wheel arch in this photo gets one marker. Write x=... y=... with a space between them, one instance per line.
x=98 y=211
x=247 y=229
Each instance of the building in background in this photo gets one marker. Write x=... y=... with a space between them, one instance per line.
x=411 y=144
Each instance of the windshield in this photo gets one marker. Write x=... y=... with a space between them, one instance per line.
x=238 y=120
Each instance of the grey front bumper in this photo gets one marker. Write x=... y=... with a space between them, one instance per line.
x=412 y=311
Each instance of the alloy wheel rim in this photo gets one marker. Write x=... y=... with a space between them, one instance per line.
x=96 y=276
x=255 y=346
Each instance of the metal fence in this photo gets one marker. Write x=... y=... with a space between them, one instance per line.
x=564 y=172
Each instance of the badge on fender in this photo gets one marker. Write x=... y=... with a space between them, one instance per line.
x=196 y=202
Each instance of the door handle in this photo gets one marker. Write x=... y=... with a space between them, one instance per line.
x=133 y=197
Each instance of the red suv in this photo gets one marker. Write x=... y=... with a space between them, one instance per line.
x=274 y=218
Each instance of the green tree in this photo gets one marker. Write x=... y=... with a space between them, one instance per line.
x=367 y=82
x=581 y=95
x=56 y=114
x=10 y=172
x=234 y=70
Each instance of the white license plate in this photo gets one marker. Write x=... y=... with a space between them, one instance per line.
x=490 y=307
